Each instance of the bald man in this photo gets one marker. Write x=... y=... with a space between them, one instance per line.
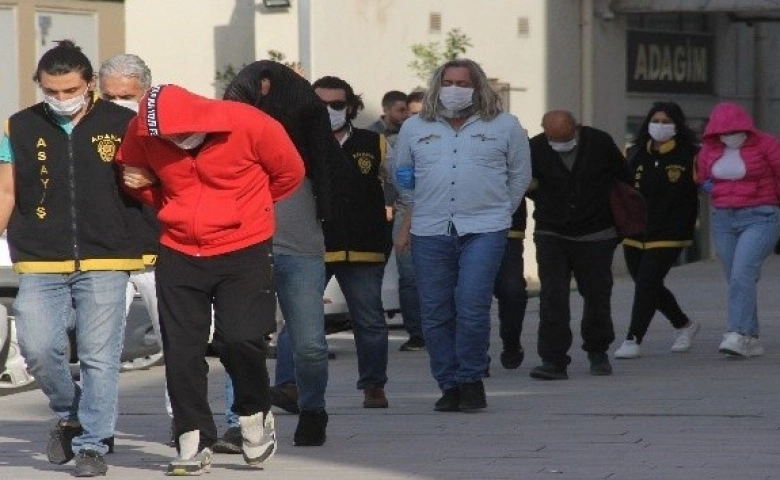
x=573 y=169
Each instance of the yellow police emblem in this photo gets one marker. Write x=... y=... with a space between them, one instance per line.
x=674 y=172
x=364 y=164
x=107 y=149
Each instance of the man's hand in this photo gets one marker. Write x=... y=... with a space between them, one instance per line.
x=403 y=240
x=138 y=178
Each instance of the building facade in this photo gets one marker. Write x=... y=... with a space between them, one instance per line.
x=30 y=27
x=605 y=60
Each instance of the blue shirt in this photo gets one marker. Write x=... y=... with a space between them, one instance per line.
x=7 y=154
x=473 y=178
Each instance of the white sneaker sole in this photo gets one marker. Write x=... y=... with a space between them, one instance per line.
x=191 y=468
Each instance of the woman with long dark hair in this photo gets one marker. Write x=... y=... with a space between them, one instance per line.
x=662 y=167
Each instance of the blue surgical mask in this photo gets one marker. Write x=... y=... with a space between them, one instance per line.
x=661 y=132
x=131 y=104
x=734 y=140
x=456 y=98
x=66 y=108
x=563 y=147
x=338 y=118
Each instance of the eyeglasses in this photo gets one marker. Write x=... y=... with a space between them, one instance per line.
x=337 y=105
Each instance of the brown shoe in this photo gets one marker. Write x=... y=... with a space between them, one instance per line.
x=285 y=397
x=374 y=397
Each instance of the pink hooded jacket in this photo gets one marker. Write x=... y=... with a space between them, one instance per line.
x=760 y=152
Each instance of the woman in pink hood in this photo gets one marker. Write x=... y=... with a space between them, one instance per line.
x=740 y=166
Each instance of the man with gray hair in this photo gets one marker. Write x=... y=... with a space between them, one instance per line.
x=123 y=79
x=462 y=166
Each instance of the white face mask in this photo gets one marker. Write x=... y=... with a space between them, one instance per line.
x=563 y=147
x=338 y=118
x=67 y=107
x=734 y=140
x=661 y=132
x=193 y=141
x=131 y=104
x=456 y=98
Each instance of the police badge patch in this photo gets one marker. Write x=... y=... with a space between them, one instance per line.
x=106 y=147
x=364 y=164
x=674 y=172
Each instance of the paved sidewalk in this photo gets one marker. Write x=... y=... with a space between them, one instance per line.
x=687 y=416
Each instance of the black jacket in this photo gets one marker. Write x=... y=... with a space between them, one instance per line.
x=292 y=102
x=70 y=213
x=666 y=182
x=146 y=228
x=576 y=203
x=360 y=234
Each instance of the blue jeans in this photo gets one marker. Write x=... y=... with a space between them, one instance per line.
x=362 y=288
x=455 y=281
x=301 y=348
x=408 y=297
x=47 y=306
x=744 y=237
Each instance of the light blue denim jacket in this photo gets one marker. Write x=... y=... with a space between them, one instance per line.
x=473 y=178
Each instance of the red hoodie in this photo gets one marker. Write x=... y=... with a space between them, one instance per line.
x=218 y=198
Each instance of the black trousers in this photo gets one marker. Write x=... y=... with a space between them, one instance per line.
x=239 y=288
x=649 y=268
x=591 y=265
x=510 y=291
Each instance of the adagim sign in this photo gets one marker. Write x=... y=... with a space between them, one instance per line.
x=667 y=62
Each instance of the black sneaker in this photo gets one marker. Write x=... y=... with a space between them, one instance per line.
x=449 y=401
x=109 y=442
x=60 y=450
x=599 y=364
x=311 y=428
x=414 y=344
x=285 y=397
x=472 y=396
x=512 y=358
x=90 y=464
x=230 y=442
x=549 y=371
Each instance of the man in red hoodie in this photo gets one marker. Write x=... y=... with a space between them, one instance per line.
x=216 y=168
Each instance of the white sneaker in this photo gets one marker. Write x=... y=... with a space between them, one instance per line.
x=754 y=348
x=14 y=373
x=190 y=461
x=683 y=337
x=259 y=438
x=734 y=345
x=629 y=349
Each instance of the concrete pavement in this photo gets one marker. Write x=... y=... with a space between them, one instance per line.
x=694 y=415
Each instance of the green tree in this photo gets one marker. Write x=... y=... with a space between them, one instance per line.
x=429 y=56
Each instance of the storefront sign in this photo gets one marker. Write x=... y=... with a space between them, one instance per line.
x=666 y=62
